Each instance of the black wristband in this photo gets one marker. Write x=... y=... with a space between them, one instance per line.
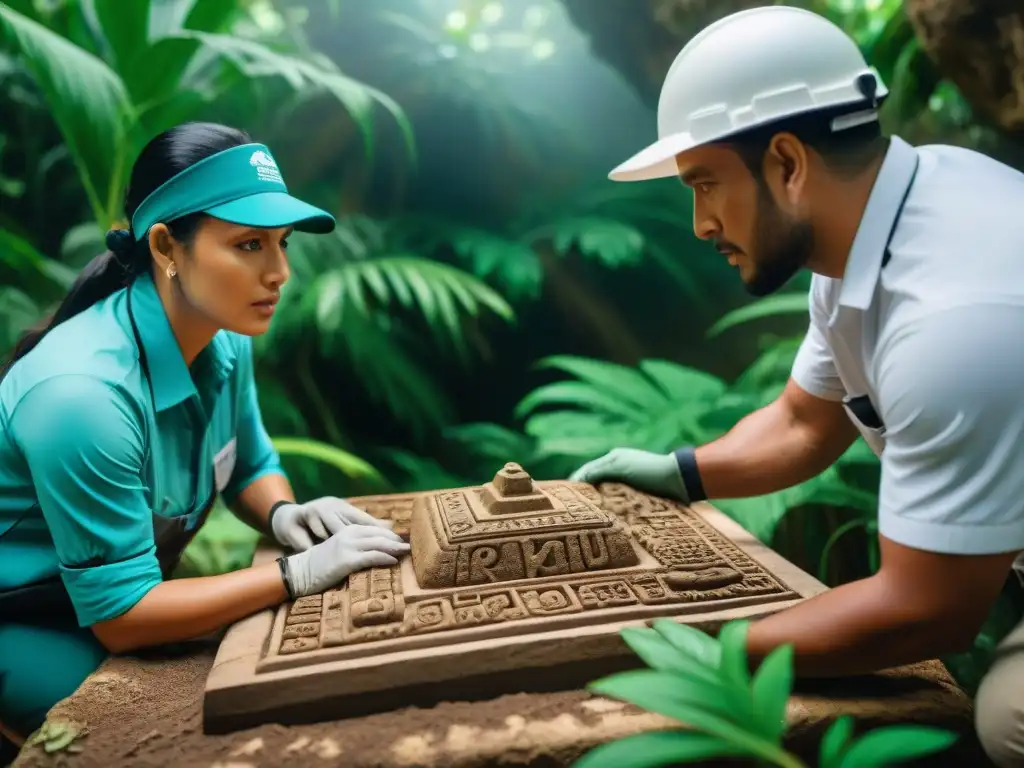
x=285 y=578
x=686 y=458
x=270 y=515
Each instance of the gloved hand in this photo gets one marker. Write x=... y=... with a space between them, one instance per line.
x=353 y=548
x=292 y=524
x=654 y=473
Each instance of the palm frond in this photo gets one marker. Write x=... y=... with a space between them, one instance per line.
x=655 y=406
x=89 y=103
x=795 y=304
x=256 y=60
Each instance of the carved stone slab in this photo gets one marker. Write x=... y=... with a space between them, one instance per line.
x=513 y=585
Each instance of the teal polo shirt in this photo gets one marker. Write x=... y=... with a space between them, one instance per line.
x=88 y=454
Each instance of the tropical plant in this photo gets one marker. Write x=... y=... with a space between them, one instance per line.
x=360 y=301
x=626 y=226
x=659 y=405
x=114 y=74
x=706 y=684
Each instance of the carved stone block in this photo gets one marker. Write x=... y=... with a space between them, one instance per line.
x=508 y=582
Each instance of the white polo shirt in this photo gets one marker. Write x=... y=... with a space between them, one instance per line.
x=928 y=324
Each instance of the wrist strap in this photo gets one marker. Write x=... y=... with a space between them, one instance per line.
x=686 y=458
x=270 y=515
x=285 y=577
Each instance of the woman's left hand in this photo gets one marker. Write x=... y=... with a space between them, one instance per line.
x=295 y=525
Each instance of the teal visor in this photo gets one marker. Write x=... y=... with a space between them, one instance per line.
x=242 y=185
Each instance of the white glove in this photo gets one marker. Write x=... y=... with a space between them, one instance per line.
x=353 y=548
x=292 y=524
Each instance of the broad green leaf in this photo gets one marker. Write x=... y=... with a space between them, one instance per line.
x=616 y=379
x=733 y=640
x=678 y=381
x=257 y=60
x=343 y=461
x=574 y=393
x=658 y=653
x=771 y=306
x=512 y=265
x=614 y=243
x=650 y=750
x=770 y=689
x=896 y=743
x=834 y=742
x=690 y=640
x=666 y=694
x=89 y=103
x=17 y=313
x=125 y=28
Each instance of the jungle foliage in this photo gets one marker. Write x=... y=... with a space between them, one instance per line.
x=488 y=296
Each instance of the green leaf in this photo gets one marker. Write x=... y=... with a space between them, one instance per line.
x=771 y=306
x=668 y=694
x=624 y=382
x=770 y=689
x=896 y=743
x=649 y=750
x=658 y=653
x=833 y=743
x=89 y=103
x=612 y=242
x=509 y=264
x=343 y=461
x=573 y=393
x=690 y=640
x=733 y=640
x=679 y=381
x=257 y=60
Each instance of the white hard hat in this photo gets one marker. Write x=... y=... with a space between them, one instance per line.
x=752 y=68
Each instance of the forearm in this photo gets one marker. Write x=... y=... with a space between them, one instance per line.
x=857 y=628
x=253 y=504
x=773 y=448
x=182 y=609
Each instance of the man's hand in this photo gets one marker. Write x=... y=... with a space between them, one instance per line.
x=296 y=525
x=653 y=473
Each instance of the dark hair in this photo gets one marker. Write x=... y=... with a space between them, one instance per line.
x=845 y=152
x=162 y=158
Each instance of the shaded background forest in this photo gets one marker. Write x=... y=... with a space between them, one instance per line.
x=489 y=295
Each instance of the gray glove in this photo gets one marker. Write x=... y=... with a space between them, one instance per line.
x=352 y=548
x=654 y=473
x=299 y=525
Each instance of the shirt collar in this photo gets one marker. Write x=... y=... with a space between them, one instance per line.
x=170 y=377
x=881 y=215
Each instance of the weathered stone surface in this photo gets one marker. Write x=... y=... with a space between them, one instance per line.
x=979 y=45
x=509 y=586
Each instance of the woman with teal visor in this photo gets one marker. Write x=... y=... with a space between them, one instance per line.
x=126 y=416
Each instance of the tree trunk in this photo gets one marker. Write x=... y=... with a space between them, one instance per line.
x=640 y=38
x=979 y=45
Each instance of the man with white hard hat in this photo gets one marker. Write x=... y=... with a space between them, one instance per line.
x=915 y=340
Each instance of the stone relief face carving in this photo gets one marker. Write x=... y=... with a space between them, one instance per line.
x=515 y=556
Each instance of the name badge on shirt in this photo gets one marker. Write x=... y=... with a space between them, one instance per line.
x=224 y=465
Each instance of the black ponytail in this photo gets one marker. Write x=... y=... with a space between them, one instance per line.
x=162 y=158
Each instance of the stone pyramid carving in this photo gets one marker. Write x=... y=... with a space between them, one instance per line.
x=504 y=579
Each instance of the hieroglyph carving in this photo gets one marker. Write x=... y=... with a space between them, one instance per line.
x=618 y=551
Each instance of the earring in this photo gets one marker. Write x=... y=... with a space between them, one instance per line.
x=171 y=270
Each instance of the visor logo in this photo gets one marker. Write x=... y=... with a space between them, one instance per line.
x=265 y=166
